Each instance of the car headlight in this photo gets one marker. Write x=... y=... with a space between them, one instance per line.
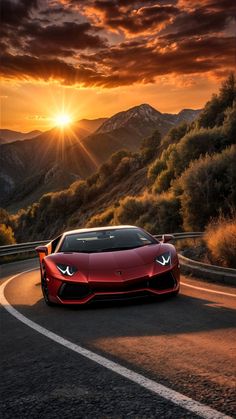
x=66 y=270
x=164 y=259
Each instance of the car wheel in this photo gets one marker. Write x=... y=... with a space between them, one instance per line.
x=173 y=294
x=44 y=286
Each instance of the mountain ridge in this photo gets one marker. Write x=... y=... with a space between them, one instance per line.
x=149 y=114
x=7 y=136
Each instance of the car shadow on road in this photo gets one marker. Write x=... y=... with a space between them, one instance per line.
x=181 y=314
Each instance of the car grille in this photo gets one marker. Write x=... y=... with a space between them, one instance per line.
x=74 y=291
x=135 y=285
x=121 y=297
x=78 y=291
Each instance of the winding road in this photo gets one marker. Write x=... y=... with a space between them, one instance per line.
x=171 y=358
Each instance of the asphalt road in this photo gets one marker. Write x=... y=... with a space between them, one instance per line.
x=185 y=343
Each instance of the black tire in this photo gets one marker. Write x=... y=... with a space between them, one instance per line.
x=175 y=293
x=44 y=287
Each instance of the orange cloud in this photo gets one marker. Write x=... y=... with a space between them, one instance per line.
x=73 y=42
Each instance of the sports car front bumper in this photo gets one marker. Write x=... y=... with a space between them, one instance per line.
x=74 y=292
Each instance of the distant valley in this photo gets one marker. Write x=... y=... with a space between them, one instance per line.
x=9 y=136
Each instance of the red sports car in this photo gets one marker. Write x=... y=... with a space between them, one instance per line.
x=108 y=263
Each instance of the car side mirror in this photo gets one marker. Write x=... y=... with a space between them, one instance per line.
x=42 y=249
x=166 y=238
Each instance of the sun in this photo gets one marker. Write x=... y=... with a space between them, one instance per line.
x=62 y=120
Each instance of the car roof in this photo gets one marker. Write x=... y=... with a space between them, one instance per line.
x=86 y=230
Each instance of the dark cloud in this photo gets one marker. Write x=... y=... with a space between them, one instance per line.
x=62 y=39
x=126 y=64
x=201 y=21
x=145 y=63
x=14 y=12
x=24 y=28
x=25 y=67
x=143 y=19
x=132 y=17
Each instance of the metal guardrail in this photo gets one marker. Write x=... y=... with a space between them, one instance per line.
x=184 y=235
x=193 y=267
x=213 y=273
x=14 y=249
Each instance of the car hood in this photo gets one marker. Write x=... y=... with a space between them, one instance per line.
x=123 y=263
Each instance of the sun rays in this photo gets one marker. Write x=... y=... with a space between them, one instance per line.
x=62 y=120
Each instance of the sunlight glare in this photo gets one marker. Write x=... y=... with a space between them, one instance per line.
x=62 y=120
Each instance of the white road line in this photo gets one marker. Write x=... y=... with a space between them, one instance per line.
x=208 y=290
x=162 y=391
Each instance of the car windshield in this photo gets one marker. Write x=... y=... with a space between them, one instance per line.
x=106 y=240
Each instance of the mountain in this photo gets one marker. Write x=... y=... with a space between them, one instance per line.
x=142 y=119
x=8 y=136
x=56 y=158
x=127 y=129
x=85 y=127
x=91 y=125
x=187 y=115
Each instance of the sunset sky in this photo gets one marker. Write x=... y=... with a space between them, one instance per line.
x=92 y=58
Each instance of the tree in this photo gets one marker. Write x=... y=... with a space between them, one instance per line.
x=150 y=146
x=229 y=127
x=213 y=112
x=6 y=235
x=227 y=93
x=175 y=134
x=208 y=116
x=208 y=189
x=155 y=169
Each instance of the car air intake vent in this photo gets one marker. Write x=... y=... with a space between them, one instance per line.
x=73 y=291
x=162 y=282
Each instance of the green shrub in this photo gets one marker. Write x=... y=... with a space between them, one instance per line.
x=163 y=181
x=193 y=145
x=162 y=215
x=150 y=146
x=117 y=157
x=101 y=220
x=155 y=169
x=229 y=126
x=175 y=134
x=78 y=194
x=130 y=210
x=220 y=238
x=213 y=112
x=6 y=235
x=93 y=179
x=208 y=189
x=123 y=168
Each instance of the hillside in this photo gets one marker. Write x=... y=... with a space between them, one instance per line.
x=8 y=136
x=33 y=167
x=179 y=181
x=54 y=159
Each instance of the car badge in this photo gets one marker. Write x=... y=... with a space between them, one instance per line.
x=118 y=273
